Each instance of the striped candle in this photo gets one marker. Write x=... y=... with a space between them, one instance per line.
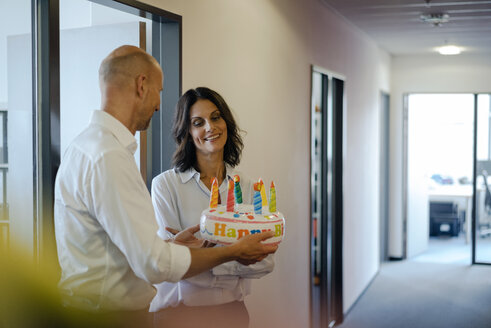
x=230 y=196
x=257 y=199
x=272 y=198
x=263 y=193
x=237 y=190
x=214 y=193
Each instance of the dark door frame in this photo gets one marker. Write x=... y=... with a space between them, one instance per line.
x=384 y=174
x=327 y=230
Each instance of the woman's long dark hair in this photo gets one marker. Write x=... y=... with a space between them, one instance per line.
x=185 y=155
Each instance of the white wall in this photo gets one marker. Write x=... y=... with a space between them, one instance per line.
x=468 y=73
x=257 y=54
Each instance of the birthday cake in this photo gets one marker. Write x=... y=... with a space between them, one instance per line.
x=225 y=224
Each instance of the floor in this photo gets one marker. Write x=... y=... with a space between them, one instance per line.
x=409 y=294
x=437 y=289
x=454 y=250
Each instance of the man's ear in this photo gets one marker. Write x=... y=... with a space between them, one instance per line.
x=141 y=85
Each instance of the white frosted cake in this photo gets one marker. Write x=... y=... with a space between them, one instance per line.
x=225 y=224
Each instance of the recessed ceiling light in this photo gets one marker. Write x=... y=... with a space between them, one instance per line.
x=449 y=50
x=436 y=19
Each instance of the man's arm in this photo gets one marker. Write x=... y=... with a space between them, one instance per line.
x=248 y=248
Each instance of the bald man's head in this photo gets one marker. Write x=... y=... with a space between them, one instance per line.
x=131 y=82
x=123 y=64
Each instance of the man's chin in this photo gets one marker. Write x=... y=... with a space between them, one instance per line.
x=145 y=126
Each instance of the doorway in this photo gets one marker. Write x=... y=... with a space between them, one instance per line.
x=384 y=175
x=448 y=156
x=326 y=198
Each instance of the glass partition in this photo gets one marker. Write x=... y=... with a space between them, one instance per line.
x=17 y=224
x=483 y=181
x=88 y=33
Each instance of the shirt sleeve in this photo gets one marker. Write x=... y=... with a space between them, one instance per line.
x=121 y=203
x=165 y=207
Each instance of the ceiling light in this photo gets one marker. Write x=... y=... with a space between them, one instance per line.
x=449 y=50
x=435 y=19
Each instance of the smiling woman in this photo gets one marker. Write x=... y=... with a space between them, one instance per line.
x=208 y=145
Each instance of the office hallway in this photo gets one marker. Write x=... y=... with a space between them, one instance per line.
x=424 y=295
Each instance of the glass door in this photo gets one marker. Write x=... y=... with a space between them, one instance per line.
x=482 y=223
x=17 y=215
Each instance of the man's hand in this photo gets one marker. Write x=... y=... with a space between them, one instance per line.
x=250 y=250
x=187 y=237
x=247 y=250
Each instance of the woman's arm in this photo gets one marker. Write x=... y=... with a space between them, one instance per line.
x=253 y=271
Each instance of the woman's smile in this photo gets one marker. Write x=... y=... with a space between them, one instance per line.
x=213 y=138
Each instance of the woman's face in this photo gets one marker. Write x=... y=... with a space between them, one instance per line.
x=207 y=127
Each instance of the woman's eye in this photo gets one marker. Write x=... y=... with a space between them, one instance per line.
x=197 y=123
x=216 y=117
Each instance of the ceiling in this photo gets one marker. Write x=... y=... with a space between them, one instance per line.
x=396 y=26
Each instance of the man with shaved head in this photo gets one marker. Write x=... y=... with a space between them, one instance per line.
x=106 y=233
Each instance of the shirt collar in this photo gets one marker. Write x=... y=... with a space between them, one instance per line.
x=188 y=174
x=121 y=132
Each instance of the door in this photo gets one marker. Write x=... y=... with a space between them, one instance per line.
x=481 y=246
x=326 y=198
x=384 y=175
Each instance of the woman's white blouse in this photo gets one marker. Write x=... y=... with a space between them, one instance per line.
x=178 y=199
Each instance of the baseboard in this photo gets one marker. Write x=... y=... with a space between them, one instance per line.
x=362 y=293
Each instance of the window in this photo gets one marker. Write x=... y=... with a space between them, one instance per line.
x=52 y=85
x=16 y=146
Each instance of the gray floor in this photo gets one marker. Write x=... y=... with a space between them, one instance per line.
x=449 y=250
x=455 y=250
x=436 y=289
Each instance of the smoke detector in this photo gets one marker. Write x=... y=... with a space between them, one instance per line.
x=435 y=19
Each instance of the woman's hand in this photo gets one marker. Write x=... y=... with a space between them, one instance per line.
x=187 y=237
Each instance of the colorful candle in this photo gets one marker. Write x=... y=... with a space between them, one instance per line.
x=257 y=199
x=214 y=193
x=272 y=198
x=263 y=193
x=237 y=190
x=230 y=196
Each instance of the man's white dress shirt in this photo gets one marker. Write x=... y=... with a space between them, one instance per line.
x=178 y=199
x=106 y=232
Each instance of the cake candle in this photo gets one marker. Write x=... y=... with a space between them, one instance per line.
x=230 y=196
x=257 y=199
x=263 y=193
x=237 y=190
x=272 y=198
x=214 y=193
